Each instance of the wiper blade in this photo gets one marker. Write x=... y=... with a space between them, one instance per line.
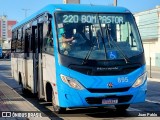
x=124 y=56
x=102 y=37
x=118 y=48
x=88 y=55
x=92 y=47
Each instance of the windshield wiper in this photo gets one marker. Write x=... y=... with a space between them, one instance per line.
x=88 y=54
x=102 y=37
x=92 y=47
x=118 y=48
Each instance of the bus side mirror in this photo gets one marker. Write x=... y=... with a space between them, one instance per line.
x=47 y=17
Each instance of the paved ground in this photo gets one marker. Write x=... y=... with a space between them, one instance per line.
x=11 y=102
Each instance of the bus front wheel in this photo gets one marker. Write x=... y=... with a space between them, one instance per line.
x=122 y=107
x=56 y=108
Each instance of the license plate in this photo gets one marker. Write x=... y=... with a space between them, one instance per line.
x=109 y=101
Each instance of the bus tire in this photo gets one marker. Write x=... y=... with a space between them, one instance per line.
x=56 y=108
x=48 y=92
x=122 y=107
x=24 y=91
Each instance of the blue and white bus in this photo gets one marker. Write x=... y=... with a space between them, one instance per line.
x=80 y=56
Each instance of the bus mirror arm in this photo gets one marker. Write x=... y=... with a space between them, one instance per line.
x=48 y=17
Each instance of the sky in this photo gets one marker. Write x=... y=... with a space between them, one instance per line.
x=14 y=8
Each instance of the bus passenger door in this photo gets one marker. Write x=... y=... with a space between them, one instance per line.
x=28 y=59
x=35 y=57
x=40 y=86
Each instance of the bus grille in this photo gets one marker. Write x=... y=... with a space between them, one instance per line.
x=110 y=90
x=98 y=100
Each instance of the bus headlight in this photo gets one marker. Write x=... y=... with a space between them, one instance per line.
x=140 y=80
x=71 y=82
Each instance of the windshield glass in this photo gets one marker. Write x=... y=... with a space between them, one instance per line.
x=98 y=36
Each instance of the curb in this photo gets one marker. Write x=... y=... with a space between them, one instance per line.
x=153 y=79
x=21 y=96
x=27 y=118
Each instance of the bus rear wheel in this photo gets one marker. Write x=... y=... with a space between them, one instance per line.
x=24 y=91
x=122 y=107
x=56 y=108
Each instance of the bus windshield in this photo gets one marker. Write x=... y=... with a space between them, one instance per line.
x=97 y=36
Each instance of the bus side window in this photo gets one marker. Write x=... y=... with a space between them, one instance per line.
x=13 y=43
x=19 y=43
x=27 y=42
x=48 y=40
x=23 y=39
x=30 y=46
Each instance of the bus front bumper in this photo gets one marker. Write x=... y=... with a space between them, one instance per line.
x=84 y=98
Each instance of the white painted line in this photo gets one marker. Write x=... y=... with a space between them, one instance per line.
x=153 y=79
x=132 y=109
x=155 y=102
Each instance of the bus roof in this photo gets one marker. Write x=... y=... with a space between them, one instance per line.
x=74 y=8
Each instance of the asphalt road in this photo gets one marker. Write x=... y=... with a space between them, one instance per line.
x=151 y=107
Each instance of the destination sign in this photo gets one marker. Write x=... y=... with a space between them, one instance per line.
x=104 y=19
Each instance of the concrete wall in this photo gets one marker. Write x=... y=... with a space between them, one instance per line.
x=148 y=23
